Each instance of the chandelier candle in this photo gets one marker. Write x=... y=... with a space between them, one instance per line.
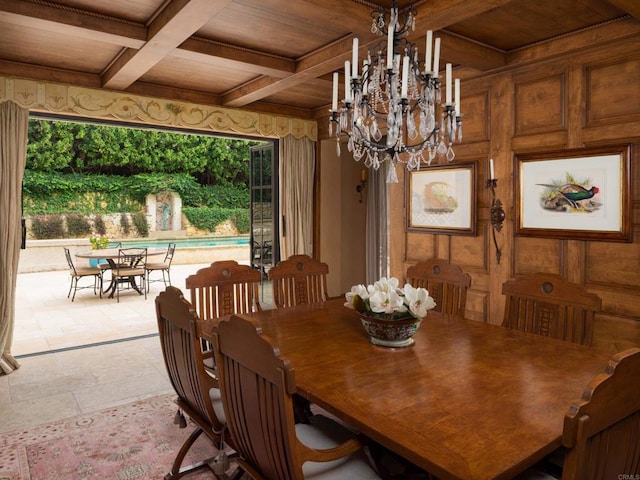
x=427 y=60
x=393 y=110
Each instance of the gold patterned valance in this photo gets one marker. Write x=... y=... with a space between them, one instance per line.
x=41 y=96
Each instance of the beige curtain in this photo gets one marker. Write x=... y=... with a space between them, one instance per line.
x=297 y=169
x=14 y=122
x=377 y=225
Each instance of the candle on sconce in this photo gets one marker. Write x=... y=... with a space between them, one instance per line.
x=427 y=60
x=456 y=95
x=492 y=174
x=390 y=48
x=448 y=83
x=405 y=77
x=436 y=57
x=354 y=59
x=363 y=175
x=347 y=81
x=334 y=100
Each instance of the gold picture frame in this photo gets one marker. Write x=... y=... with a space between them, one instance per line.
x=442 y=199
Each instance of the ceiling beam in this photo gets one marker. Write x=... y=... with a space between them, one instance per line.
x=85 y=25
x=173 y=25
x=204 y=51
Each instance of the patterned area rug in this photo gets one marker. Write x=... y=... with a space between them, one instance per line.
x=134 y=441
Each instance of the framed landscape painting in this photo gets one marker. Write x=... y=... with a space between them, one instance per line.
x=574 y=194
x=441 y=199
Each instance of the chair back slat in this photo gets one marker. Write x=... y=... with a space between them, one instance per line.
x=179 y=337
x=256 y=388
x=549 y=305
x=602 y=431
x=299 y=280
x=447 y=284
x=224 y=288
x=67 y=254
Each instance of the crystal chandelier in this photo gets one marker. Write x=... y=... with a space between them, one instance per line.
x=399 y=96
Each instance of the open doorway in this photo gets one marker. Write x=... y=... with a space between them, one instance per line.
x=102 y=319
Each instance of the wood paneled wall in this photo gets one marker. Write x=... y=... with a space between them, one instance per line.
x=580 y=99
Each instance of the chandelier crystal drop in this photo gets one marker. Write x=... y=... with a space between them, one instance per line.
x=392 y=109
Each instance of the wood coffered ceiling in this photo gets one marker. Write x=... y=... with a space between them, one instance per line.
x=274 y=55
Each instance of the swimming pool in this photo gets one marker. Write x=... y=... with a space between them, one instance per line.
x=233 y=241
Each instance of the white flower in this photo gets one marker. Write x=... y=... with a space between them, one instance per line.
x=360 y=291
x=384 y=285
x=386 y=302
x=418 y=300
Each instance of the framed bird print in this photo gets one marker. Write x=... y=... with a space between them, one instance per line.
x=580 y=194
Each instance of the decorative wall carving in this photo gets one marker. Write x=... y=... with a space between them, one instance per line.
x=85 y=102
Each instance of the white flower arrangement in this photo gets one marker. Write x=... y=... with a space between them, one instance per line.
x=384 y=299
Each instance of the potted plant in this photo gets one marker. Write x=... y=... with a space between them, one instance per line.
x=390 y=315
x=98 y=241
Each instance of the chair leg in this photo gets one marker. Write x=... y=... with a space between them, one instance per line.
x=74 y=284
x=176 y=471
x=70 y=288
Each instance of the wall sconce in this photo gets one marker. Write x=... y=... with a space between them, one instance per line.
x=496 y=213
x=363 y=183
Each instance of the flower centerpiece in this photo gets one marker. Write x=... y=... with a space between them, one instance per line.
x=98 y=242
x=390 y=315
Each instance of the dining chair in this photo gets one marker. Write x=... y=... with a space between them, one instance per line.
x=447 y=284
x=298 y=280
x=600 y=433
x=548 y=304
x=197 y=392
x=130 y=265
x=78 y=273
x=257 y=388
x=164 y=267
x=223 y=288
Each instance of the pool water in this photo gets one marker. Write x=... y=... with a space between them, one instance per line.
x=190 y=242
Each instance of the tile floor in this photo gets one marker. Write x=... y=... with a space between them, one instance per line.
x=82 y=356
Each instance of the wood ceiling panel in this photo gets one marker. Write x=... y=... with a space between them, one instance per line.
x=206 y=77
x=278 y=27
x=529 y=22
x=131 y=10
x=61 y=51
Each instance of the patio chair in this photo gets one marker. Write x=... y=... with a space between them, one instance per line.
x=549 y=305
x=129 y=267
x=197 y=392
x=447 y=284
x=299 y=280
x=257 y=387
x=164 y=267
x=78 y=273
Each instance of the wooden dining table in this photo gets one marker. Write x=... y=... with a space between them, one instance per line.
x=111 y=255
x=469 y=400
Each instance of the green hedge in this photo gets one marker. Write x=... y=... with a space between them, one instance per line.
x=208 y=218
x=56 y=193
